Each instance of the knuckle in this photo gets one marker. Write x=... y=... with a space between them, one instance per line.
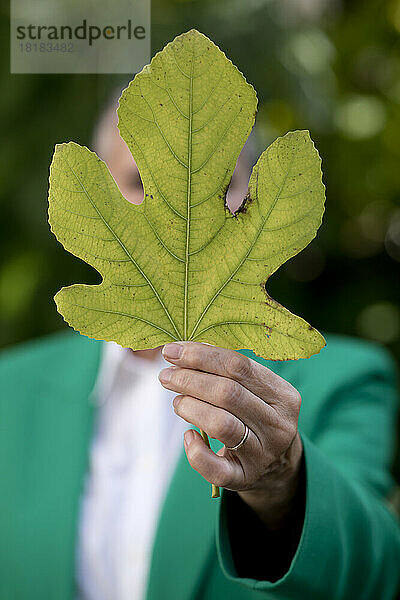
x=292 y=431
x=237 y=365
x=227 y=428
x=226 y=391
x=182 y=378
x=192 y=354
x=286 y=438
x=294 y=399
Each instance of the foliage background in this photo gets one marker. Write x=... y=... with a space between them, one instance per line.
x=326 y=65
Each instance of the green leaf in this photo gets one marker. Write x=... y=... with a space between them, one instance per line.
x=180 y=266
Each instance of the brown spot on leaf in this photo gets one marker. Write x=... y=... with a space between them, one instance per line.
x=244 y=205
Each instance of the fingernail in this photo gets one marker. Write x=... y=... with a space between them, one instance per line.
x=165 y=375
x=188 y=437
x=172 y=350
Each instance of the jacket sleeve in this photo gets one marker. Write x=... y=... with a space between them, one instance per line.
x=350 y=540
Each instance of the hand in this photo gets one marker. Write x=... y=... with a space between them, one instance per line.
x=221 y=391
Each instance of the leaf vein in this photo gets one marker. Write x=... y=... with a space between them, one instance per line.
x=115 y=312
x=130 y=257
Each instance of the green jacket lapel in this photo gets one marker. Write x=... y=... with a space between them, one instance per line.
x=43 y=460
x=185 y=536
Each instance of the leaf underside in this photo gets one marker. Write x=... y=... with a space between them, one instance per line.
x=180 y=266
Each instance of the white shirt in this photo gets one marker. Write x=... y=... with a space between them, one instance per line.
x=136 y=444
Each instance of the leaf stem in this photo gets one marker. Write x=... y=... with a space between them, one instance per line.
x=214 y=488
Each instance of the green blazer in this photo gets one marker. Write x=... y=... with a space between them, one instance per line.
x=350 y=542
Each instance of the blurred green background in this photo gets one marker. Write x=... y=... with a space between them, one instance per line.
x=328 y=66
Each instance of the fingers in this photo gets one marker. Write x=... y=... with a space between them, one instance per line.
x=213 y=467
x=216 y=422
x=217 y=391
x=256 y=378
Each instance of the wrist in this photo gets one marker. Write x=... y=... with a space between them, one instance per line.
x=274 y=497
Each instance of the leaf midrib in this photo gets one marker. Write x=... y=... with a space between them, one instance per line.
x=188 y=198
